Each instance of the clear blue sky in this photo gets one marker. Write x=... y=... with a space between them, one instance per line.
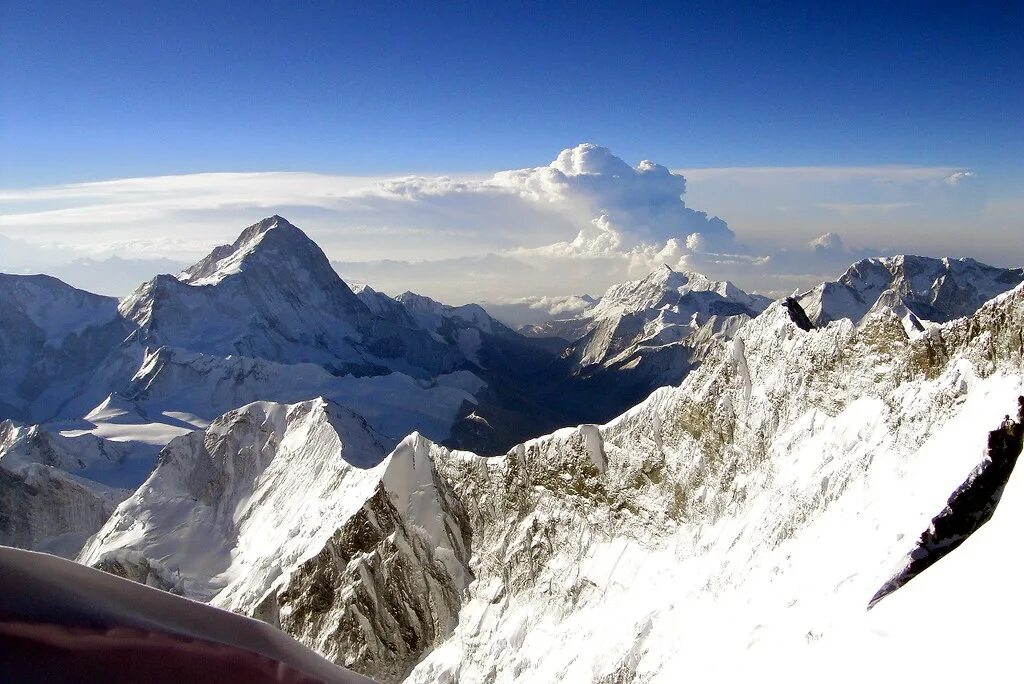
x=95 y=90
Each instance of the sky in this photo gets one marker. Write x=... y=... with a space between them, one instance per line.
x=150 y=132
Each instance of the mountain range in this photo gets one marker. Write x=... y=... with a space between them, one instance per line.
x=683 y=474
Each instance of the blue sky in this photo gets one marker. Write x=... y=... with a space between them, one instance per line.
x=106 y=90
x=820 y=134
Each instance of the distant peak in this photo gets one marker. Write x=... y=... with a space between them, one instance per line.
x=257 y=231
x=274 y=240
x=417 y=302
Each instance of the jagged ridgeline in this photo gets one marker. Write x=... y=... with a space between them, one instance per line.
x=95 y=387
x=742 y=516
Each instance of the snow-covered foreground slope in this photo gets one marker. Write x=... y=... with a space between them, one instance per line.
x=729 y=525
x=62 y=622
x=231 y=513
x=739 y=521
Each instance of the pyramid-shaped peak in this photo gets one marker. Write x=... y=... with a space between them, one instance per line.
x=277 y=227
x=666 y=277
x=274 y=242
x=663 y=272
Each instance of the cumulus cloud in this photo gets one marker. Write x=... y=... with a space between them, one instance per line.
x=627 y=206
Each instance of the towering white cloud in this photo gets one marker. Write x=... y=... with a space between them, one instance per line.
x=625 y=206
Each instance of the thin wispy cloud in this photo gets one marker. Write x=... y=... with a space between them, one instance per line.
x=855 y=207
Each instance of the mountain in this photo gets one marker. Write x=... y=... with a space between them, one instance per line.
x=641 y=335
x=231 y=513
x=52 y=338
x=741 y=520
x=661 y=309
x=229 y=508
x=920 y=289
x=273 y=295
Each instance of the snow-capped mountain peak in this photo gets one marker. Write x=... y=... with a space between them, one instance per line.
x=916 y=288
x=272 y=242
x=427 y=311
x=665 y=287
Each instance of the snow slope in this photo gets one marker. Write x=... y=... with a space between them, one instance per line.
x=751 y=512
x=228 y=509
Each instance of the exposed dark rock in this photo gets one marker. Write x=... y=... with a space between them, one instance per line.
x=377 y=596
x=797 y=314
x=969 y=507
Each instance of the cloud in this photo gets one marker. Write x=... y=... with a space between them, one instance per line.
x=959 y=177
x=855 y=207
x=576 y=225
x=916 y=206
x=625 y=206
x=519 y=311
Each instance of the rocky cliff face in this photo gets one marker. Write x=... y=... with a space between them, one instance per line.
x=46 y=509
x=387 y=586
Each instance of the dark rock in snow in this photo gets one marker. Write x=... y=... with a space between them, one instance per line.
x=969 y=507
x=797 y=314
